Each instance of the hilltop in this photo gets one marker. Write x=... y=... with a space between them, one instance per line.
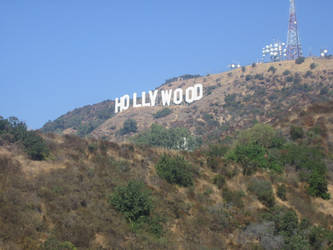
x=279 y=93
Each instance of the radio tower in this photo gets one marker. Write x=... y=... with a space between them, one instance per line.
x=294 y=47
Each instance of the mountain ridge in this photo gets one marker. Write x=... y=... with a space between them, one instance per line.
x=231 y=101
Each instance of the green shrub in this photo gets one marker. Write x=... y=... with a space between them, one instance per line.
x=250 y=156
x=212 y=162
x=286 y=72
x=35 y=146
x=259 y=77
x=285 y=220
x=324 y=91
x=217 y=150
x=300 y=60
x=308 y=74
x=290 y=79
x=296 y=133
x=313 y=66
x=162 y=113
x=173 y=138
x=133 y=200
x=261 y=134
x=175 y=170
x=263 y=190
x=318 y=185
x=54 y=244
x=129 y=126
x=272 y=69
x=253 y=148
x=233 y=197
x=16 y=131
x=219 y=181
x=311 y=161
x=281 y=192
x=248 y=77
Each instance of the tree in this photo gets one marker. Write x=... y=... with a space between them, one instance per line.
x=133 y=200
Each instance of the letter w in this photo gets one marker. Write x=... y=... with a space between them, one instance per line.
x=166 y=97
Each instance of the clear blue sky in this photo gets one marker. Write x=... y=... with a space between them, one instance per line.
x=63 y=54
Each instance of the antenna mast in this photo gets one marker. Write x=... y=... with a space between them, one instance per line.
x=294 y=47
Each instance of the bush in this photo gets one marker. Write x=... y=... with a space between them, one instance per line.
x=263 y=190
x=253 y=148
x=259 y=77
x=219 y=181
x=175 y=170
x=35 y=146
x=272 y=69
x=300 y=60
x=16 y=131
x=308 y=74
x=173 y=138
x=324 y=91
x=313 y=66
x=130 y=126
x=311 y=161
x=296 y=133
x=54 y=244
x=318 y=185
x=281 y=192
x=250 y=156
x=261 y=134
x=290 y=79
x=162 y=113
x=133 y=200
x=286 y=72
x=233 y=197
x=285 y=220
x=248 y=77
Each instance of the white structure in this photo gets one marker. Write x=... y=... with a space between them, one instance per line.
x=275 y=51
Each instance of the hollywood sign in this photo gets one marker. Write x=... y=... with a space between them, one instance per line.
x=168 y=97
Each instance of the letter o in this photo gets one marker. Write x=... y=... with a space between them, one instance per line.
x=125 y=102
x=198 y=91
x=190 y=92
x=178 y=96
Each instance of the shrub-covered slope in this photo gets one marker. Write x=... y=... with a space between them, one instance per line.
x=257 y=190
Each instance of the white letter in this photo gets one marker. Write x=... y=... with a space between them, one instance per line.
x=166 y=97
x=118 y=104
x=198 y=95
x=152 y=96
x=126 y=102
x=135 y=105
x=143 y=97
x=179 y=99
x=189 y=92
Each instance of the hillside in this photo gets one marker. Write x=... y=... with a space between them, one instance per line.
x=260 y=191
x=275 y=93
